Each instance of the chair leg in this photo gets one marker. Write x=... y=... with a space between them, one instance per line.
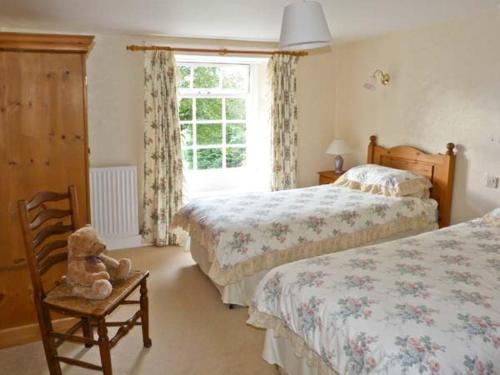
x=49 y=347
x=104 y=347
x=87 y=331
x=145 y=314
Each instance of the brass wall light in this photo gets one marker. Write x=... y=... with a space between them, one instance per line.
x=377 y=77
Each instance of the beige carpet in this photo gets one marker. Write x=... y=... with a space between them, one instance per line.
x=192 y=331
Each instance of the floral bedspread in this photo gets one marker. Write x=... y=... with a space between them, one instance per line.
x=428 y=304
x=247 y=233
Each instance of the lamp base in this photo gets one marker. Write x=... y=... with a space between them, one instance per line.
x=339 y=164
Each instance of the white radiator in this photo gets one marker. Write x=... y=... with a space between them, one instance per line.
x=114 y=205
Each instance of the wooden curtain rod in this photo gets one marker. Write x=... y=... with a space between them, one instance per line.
x=221 y=51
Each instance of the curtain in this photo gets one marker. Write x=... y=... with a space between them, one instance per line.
x=282 y=69
x=163 y=176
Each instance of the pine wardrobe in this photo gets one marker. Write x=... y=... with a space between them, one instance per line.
x=43 y=146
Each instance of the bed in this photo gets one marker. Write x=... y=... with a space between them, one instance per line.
x=235 y=240
x=428 y=304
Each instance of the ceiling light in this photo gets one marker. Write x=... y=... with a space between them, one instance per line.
x=304 y=27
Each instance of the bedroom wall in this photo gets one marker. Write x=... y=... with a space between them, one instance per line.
x=445 y=88
x=115 y=91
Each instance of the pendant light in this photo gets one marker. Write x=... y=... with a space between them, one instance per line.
x=304 y=27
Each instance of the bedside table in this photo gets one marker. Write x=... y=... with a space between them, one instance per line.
x=328 y=177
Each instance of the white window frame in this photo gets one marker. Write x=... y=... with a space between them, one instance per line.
x=223 y=95
x=254 y=176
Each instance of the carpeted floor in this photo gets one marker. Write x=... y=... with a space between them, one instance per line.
x=193 y=333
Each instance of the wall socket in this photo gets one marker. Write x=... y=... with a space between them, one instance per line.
x=491 y=181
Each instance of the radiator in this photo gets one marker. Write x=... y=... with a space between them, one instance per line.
x=114 y=205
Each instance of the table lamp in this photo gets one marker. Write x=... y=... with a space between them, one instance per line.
x=338 y=147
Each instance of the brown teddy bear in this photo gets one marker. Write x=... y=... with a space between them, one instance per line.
x=89 y=270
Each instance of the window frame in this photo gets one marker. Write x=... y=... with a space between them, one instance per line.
x=223 y=95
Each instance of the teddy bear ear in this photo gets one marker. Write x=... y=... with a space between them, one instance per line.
x=73 y=239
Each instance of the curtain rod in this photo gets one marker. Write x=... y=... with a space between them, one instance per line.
x=220 y=51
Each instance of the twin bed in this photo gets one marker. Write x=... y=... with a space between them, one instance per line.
x=426 y=303
x=236 y=240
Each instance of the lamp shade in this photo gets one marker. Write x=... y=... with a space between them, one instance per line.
x=338 y=147
x=304 y=27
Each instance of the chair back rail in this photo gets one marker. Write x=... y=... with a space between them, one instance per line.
x=45 y=232
x=45 y=240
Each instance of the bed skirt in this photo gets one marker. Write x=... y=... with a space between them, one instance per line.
x=241 y=292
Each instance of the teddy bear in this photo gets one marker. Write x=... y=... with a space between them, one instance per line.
x=89 y=269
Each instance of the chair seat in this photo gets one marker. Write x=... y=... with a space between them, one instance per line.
x=60 y=297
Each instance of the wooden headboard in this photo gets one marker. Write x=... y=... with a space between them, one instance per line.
x=438 y=168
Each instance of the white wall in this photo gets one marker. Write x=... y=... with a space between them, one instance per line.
x=445 y=88
x=115 y=91
x=316 y=99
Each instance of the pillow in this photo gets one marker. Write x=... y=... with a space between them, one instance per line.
x=493 y=217
x=391 y=182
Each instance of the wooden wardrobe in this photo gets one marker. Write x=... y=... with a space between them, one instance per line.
x=43 y=146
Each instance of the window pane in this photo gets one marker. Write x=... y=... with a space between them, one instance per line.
x=186 y=109
x=187 y=134
x=209 y=109
x=235 y=109
x=188 y=159
x=209 y=134
x=206 y=77
x=235 y=77
x=185 y=72
x=235 y=157
x=236 y=134
x=209 y=158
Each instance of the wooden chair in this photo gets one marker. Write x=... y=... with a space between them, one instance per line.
x=37 y=220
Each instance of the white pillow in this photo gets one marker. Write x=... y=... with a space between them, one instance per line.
x=387 y=181
x=493 y=217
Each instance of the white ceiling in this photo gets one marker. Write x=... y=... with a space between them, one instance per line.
x=229 y=19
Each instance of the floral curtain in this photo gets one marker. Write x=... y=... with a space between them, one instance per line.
x=284 y=121
x=163 y=176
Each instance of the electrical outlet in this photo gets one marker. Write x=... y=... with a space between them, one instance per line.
x=491 y=181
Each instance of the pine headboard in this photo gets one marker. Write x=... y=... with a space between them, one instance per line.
x=438 y=168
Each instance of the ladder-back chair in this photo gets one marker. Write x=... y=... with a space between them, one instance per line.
x=46 y=225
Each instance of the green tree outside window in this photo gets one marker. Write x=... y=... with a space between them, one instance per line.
x=235 y=109
x=209 y=158
x=206 y=77
x=208 y=109
x=236 y=134
x=185 y=79
x=209 y=134
x=188 y=158
x=187 y=134
x=186 y=109
x=235 y=157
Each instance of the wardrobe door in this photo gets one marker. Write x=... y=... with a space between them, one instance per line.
x=43 y=146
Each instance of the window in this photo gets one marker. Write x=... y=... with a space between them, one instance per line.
x=224 y=124
x=213 y=113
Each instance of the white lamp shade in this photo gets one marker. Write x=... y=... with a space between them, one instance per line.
x=338 y=147
x=304 y=27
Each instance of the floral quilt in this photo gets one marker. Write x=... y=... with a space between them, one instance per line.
x=247 y=233
x=428 y=304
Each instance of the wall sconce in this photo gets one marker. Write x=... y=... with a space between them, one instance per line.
x=377 y=77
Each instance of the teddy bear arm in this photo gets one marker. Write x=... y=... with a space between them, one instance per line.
x=109 y=262
x=81 y=276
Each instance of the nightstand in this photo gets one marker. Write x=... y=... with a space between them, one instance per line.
x=328 y=177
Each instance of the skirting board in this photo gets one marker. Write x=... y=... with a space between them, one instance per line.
x=123 y=242
x=30 y=332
